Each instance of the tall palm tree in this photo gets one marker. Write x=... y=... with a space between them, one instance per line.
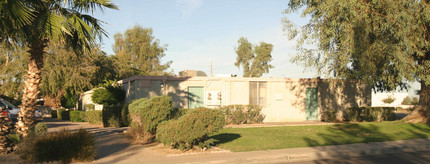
x=35 y=23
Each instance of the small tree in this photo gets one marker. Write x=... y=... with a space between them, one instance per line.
x=108 y=95
x=406 y=101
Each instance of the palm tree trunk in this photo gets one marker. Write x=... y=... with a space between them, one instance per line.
x=31 y=88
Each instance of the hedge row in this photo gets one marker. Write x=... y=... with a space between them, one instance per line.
x=242 y=114
x=358 y=114
x=108 y=117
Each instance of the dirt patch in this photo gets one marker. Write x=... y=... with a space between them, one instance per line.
x=169 y=152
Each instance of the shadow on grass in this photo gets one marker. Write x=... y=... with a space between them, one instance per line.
x=225 y=138
x=351 y=133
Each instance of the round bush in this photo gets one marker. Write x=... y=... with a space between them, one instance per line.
x=191 y=129
x=149 y=113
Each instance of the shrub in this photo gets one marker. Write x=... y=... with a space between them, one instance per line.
x=329 y=116
x=415 y=101
x=149 y=113
x=89 y=107
x=40 y=129
x=125 y=118
x=63 y=114
x=94 y=117
x=388 y=100
x=112 y=116
x=371 y=114
x=407 y=101
x=140 y=135
x=179 y=112
x=76 y=116
x=62 y=146
x=191 y=129
x=54 y=113
x=240 y=114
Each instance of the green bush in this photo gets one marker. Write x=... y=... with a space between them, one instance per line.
x=179 y=112
x=242 y=114
x=69 y=100
x=40 y=129
x=63 y=114
x=149 y=113
x=54 y=113
x=191 y=129
x=108 y=95
x=76 y=116
x=62 y=146
x=89 y=107
x=125 y=118
x=407 y=101
x=95 y=117
x=329 y=116
x=358 y=114
x=112 y=116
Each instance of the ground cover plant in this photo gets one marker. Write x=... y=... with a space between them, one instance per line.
x=63 y=146
x=265 y=138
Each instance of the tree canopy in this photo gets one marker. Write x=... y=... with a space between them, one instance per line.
x=385 y=43
x=137 y=52
x=253 y=59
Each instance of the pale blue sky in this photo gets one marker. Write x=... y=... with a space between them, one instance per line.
x=199 y=32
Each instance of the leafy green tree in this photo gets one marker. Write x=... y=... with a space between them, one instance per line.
x=108 y=93
x=34 y=24
x=13 y=63
x=385 y=43
x=254 y=61
x=137 y=52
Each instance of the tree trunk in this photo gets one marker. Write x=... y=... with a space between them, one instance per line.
x=421 y=113
x=31 y=88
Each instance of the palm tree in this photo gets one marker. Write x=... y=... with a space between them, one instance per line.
x=35 y=23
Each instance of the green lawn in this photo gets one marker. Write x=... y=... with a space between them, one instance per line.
x=249 y=139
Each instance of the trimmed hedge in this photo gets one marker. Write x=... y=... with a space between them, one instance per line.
x=95 y=117
x=191 y=129
x=53 y=113
x=63 y=114
x=89 y=107
x=242 y=114
x=149 y=113
x=76 y=116
x=358 y=114
x=111 y=116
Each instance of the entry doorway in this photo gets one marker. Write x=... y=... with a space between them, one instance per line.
x=311 y=102
x=195 y=97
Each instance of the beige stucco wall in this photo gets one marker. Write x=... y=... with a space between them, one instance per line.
x=285 y=97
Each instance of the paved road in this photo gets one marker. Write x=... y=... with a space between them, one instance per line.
x=422 y=157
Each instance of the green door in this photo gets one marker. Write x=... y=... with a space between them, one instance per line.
x=195 y=97
x=311 y=104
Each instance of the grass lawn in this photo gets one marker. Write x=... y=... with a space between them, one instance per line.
x=264 y=138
